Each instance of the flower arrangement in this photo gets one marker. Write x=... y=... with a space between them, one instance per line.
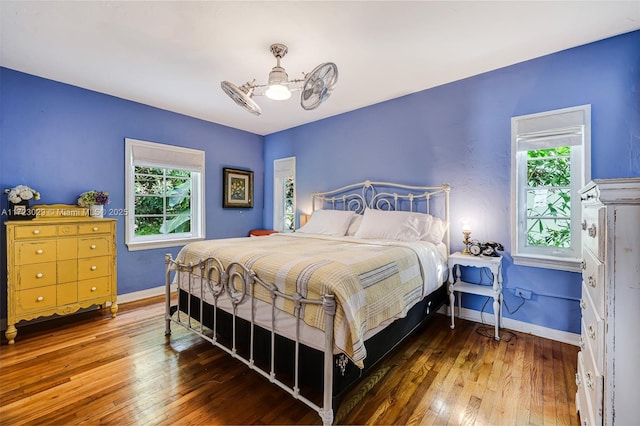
x=93 y=198
x=22 y=193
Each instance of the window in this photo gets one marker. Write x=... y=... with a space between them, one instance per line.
x=164 y=195
x=284 y=194
x=550 y=163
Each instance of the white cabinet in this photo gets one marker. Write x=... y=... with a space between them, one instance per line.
x=609 y=359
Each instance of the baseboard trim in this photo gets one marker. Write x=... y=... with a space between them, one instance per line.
x=515 y=325
x=143 y=294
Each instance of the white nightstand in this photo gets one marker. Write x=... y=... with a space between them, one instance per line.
x=494 y=264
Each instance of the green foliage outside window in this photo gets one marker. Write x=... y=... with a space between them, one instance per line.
x=162 y=201
x=549 y=197
x=289 y=204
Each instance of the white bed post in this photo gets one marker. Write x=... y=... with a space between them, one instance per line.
x=167 y=293
x=326 y=413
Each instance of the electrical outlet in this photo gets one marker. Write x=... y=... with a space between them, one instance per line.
x=525 y=294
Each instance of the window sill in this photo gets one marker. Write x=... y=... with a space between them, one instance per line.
x=149 y=245
x=548 y=262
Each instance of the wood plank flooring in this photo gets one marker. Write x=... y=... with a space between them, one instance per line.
x=91 y=369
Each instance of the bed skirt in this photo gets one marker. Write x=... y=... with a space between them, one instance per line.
x=345 y=374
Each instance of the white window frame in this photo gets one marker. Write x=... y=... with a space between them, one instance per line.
x=562 y=127
x=151 y=154
x=282 y=168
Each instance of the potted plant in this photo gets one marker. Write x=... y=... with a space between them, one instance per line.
x=19 y=198
x=95 y=200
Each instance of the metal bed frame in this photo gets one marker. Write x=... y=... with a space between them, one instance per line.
x=238 y=282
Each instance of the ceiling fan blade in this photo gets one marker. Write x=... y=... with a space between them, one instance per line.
x=241 y=97
x=318 y=85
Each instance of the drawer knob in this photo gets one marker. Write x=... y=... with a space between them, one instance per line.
x=591 y=331
x=592 y=281
x=36 y=231
x=592 y=231
x=95 y=228
x=39 y=275
x=94 y=267
x=40 y=299
x=93 y=246
x=39 y=251
x=93 y=289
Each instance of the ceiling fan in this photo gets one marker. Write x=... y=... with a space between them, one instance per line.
x=315 y=87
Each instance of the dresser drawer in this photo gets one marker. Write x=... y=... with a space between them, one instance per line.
x=94 y=228
x=589 y=396
x=67 y=248
x=67 y=294
x=94 y=288
x=35 y=231
x=36 y=275
x=593 y=229
x=592 y=330
x=35 y=252
x=35 y=299
x=593 y=279
x=93 y=267
x=68 y=230
x=97 y=246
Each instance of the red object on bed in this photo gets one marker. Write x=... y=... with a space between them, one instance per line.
x=261 y=232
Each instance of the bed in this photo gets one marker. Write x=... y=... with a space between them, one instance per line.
x=313 y=311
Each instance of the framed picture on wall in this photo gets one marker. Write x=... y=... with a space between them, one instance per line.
x=237 y=188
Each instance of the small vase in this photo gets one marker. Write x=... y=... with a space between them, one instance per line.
x=21 y=211
x=96 y=210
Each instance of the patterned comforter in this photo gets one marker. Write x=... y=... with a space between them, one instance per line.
x=373 y=281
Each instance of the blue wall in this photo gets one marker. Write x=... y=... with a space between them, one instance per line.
x=460 y=133
x=63 y=140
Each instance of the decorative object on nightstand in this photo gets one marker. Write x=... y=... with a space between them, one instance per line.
x=494 y=264
x=608 y=373
x=58 y=263
x=304 y=218
x=466 y=232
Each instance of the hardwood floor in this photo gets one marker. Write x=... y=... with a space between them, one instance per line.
x=90 y=369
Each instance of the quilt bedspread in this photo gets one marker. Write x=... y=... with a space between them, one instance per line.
x=372 y=281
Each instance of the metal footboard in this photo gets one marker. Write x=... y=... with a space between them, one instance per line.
x=239 y=283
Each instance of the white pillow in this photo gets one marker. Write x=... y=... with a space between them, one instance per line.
x=356 y=220
x=394 y=225
x=328 y=222
x=436 y=231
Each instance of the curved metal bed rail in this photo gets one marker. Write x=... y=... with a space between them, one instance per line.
x=238 y=282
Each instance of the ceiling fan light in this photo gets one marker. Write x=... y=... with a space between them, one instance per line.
x=278 y=92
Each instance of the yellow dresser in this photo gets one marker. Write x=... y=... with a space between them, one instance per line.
x=57 y=265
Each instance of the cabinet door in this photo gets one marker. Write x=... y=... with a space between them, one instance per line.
x=67 y=248
x=67 y=293
x=67 y=271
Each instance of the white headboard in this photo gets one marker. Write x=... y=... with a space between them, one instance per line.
x=433 y=200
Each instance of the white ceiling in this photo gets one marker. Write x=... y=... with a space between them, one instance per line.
x=174 y=54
